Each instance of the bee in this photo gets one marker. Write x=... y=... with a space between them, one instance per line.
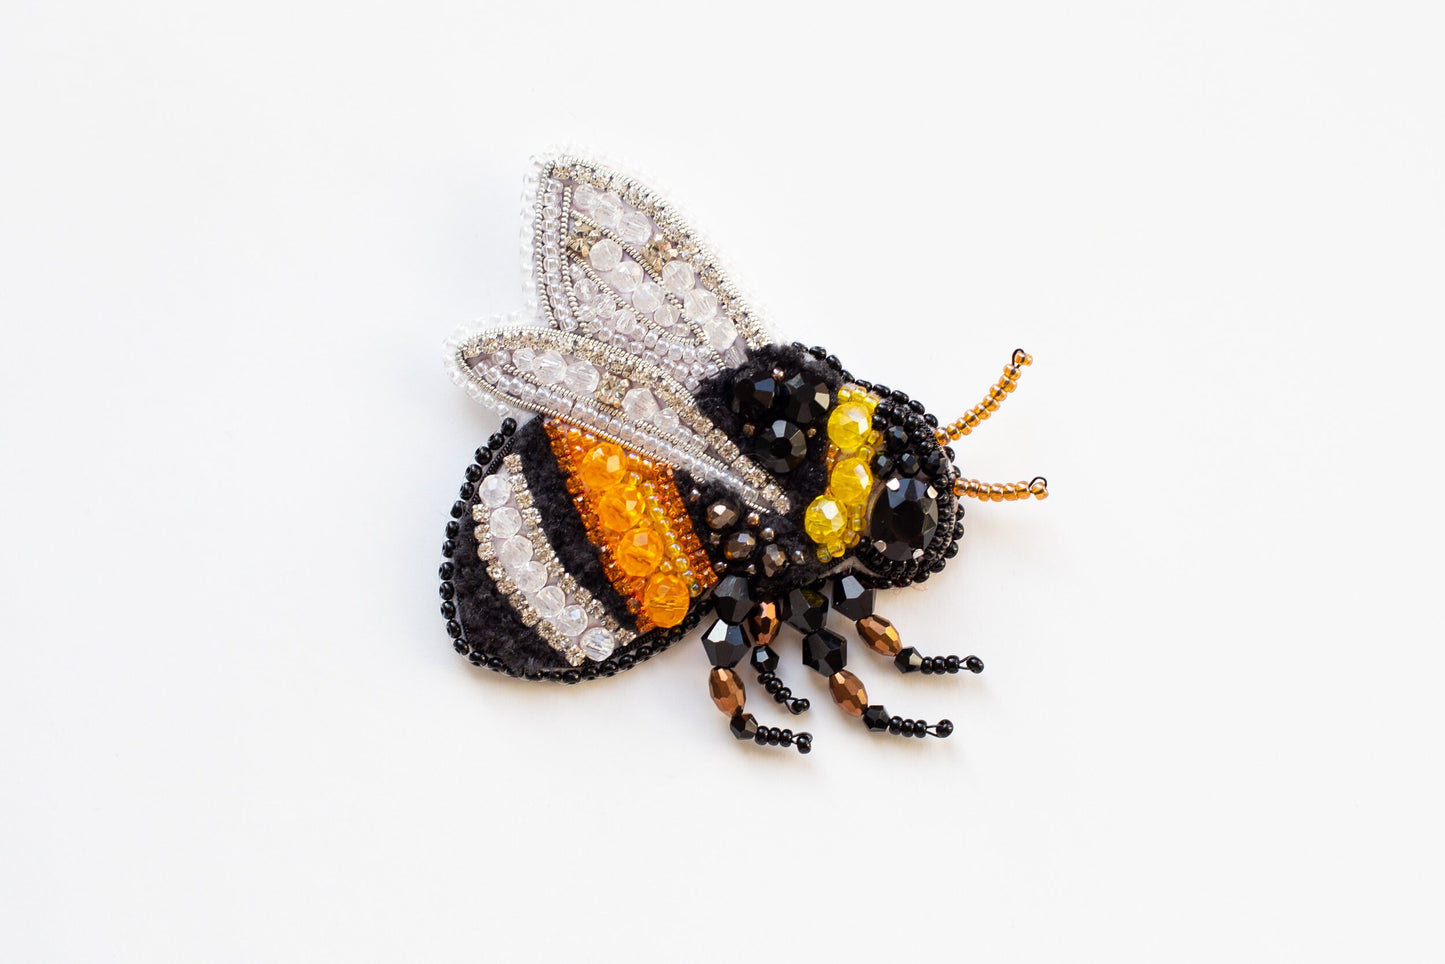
x=664 y=463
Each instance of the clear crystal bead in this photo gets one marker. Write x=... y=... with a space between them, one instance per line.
x=571 y=621
x=607 y=211
x=639 y=404
x=530 y=576
x=605 y=255
x=584 y=196
x=665 y=419
x=648 y=297
x=627 y=277
x=635 y=228
x=677 y=276
x=550 y=367
x=505 y=522
x=548 y=601
x=494 y=491
x=522 y=358
x=719 y=332
x=667 y=316
x=627 y=324
x=597 y=643
x=515 y=551
x=582 y=377
x=699 y=304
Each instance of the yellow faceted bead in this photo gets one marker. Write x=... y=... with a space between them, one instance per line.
x=824 y=519
x=851 y=480
x=639 y=551
x=621 y=507
x=603 y=466
x=849 y=425
x=665 y=600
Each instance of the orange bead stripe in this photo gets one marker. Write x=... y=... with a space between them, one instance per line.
x=654 y=597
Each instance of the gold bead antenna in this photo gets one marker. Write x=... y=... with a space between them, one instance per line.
x=1038 y=488
x=1007 y=382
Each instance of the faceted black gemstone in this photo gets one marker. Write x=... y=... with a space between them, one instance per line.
x=875 y=717
x=825 y=652
x=932 y=463
x=905 y=517
x=806 y=399
x=908 y=464
x=725 y=644
x=743 y=725
x=807 y=610
x=733 y=598
x=851 y=597
x=755 y=395
x=764 y=660
x=908 y=660
x=882 y=465
x=896 y=439
x=780 y=446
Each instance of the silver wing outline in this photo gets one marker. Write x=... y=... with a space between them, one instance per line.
x=614 y=261
x=615 y=395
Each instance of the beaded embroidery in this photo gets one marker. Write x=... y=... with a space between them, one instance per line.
x=682 y=463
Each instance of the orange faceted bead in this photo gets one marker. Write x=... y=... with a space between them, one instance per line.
x=603 y=466
x=665 y=600
x=848 y=692
x=621 y=507
x=726 y=690
x=639 y=551
x=880 y=635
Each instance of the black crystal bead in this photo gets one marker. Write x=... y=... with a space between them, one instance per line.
x=932 y=463
x=805 y=399
x=764 y=660
x=875 y=717
x=825 y=652
x=908 y=464
x=733 y=598
x=755 y=395
x=725 y=644
x=851 y=598
x=807 y=610
x=780 y=446
x=896 y=439
x=908 y=660
x=743 y=725
x=882 y=465
x=905 y=517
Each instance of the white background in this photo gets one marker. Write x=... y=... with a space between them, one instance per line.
x=231 y=243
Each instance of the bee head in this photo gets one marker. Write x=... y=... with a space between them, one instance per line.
x=871 y=485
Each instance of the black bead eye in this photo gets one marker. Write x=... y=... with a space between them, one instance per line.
x=904 y=520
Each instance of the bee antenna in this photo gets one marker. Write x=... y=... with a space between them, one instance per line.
x=979 y=413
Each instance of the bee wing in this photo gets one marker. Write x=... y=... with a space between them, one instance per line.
x=614 y=262
x=615 y=394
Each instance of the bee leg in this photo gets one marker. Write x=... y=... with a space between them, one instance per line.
x=825 y=652
x=726 y=645
x=761 y=628
x=855 y=600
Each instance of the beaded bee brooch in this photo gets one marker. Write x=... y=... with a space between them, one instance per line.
x=679 y=464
